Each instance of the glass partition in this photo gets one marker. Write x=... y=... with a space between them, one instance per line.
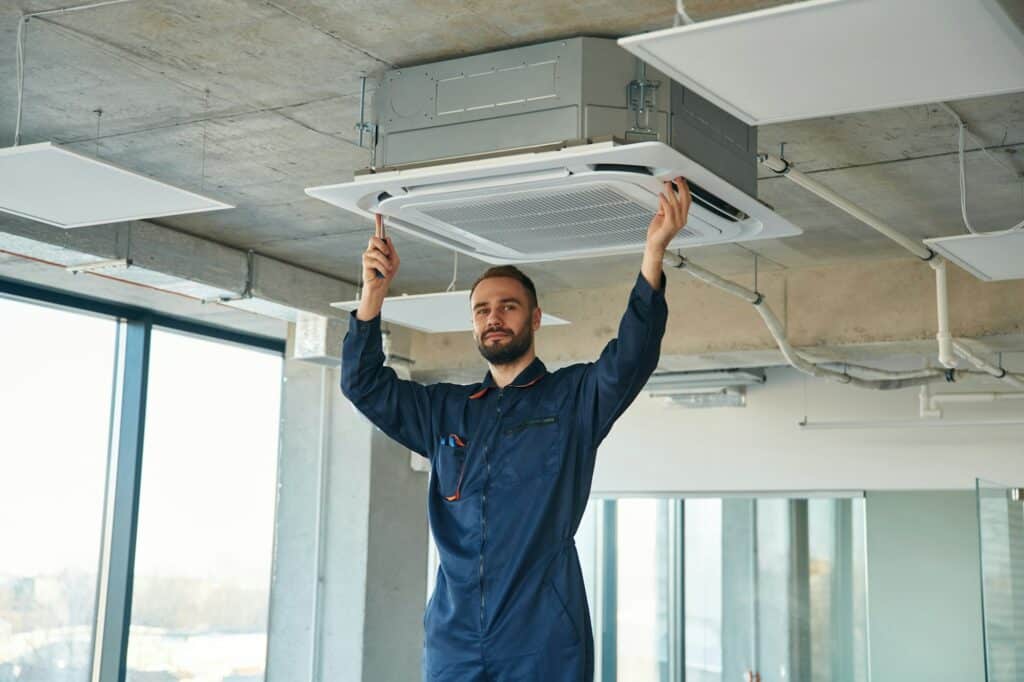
x=772 y=588
x=1001 y=530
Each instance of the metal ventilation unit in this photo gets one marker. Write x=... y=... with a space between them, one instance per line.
x=550 y=152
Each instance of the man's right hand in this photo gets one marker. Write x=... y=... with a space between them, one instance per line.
x=380 y=256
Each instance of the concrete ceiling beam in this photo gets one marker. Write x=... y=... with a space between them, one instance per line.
x=274 y=288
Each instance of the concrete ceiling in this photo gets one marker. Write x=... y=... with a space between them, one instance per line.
x=251 y=101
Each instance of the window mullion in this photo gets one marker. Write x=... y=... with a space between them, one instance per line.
x=122 y=511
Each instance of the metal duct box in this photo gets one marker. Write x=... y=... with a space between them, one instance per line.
x=544 y=96
x=552 y=152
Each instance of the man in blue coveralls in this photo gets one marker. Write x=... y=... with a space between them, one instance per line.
x=512 y=461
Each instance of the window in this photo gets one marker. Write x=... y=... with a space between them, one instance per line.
x=72 y=391
x=56 y=373
x=642 y=590
x=702 y=540
x=203 y=554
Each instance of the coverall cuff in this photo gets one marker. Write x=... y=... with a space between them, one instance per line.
x=645 y=292
x=363 y=327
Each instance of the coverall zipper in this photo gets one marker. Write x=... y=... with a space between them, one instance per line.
x=483 y=513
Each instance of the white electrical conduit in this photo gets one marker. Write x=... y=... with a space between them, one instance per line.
x=783 y=168
x=1015 y=380
x=943 y=336
x=893 y=380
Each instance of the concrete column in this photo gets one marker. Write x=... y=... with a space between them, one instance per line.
x=349 y=584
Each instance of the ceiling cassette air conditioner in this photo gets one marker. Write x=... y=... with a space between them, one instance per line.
x=577 y=202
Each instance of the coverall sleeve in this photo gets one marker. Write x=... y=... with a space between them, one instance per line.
x=401 y=409
x=611 y=383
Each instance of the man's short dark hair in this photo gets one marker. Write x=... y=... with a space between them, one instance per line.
x=512 y=272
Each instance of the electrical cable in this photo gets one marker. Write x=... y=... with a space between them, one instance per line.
x=455 y=273
x=963 y=171
x=20 y=50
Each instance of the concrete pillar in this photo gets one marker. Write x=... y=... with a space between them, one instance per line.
x=349 y=584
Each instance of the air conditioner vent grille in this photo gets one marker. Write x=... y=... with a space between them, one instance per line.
x=551 y=219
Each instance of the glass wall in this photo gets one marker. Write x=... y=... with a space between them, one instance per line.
x=56 y=373
x=771 y=588
x=83 y=512
x=1001 y=525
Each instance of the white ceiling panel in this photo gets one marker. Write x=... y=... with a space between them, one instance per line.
x=52 y=185
x=830 y=57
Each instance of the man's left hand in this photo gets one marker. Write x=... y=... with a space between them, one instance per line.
x=673 y=211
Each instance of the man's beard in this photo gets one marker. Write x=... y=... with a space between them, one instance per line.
x=507 y=353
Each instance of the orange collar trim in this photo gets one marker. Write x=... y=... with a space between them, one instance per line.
x=483 y=391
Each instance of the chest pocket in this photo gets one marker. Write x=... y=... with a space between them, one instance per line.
x=532 y=447
x=450 y=469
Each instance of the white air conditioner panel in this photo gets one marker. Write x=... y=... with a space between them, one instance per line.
x=578 y=202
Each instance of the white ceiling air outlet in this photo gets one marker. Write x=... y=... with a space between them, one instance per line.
x=54 y=185
x=576 y=202
x=831 y=57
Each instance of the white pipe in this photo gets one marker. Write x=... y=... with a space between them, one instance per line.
x=946 y=357
x=931 y=403
x=1015 y=380
x=906 y=424
x=925 y=407
x=894 y=380
x=974 y=397
x=783 y=168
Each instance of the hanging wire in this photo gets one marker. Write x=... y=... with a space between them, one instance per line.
x=99 y=116
x=20 y=50
x=455 y=272
x=20 y=67
x=962 y=133
x=206 y=121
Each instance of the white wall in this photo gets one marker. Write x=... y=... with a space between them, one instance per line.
x=659 y=447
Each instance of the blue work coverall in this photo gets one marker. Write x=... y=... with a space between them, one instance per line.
x=511 y=474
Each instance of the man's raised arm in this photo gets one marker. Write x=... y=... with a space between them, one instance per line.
x=401 y=409
x=611 y=383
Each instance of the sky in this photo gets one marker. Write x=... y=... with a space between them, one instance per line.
x=210 y=457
